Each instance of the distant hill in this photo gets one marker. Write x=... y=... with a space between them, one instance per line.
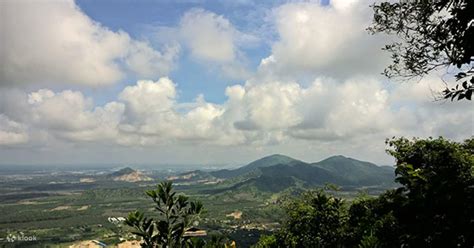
x=128 y=175
x=121 y=172
x=357 y=172
x=261 y=163
x=278 y=172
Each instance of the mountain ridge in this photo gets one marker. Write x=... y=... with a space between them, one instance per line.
x=266 y=161
x=270 y=171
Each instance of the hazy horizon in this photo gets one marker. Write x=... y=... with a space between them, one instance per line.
x=163 y=166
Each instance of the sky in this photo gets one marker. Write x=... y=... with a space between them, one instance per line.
x=206 y=82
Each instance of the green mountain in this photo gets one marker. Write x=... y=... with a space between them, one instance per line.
x=252 y=167
x=278 y=172
x=304 y=172
x=357 y=172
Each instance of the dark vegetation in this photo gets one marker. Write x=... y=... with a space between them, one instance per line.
x=430 y=35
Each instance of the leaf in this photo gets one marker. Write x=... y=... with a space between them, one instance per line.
x=469 y=94
x=151 y=193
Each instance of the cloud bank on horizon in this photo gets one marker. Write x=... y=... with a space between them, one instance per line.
x=73 y=90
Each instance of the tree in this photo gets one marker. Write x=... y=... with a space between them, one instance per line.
x=431 y=34
x=372 y=223
x=314 y=219
x=175 y=215
x=436 y=199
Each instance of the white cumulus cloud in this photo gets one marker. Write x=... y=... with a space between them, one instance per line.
x=353 y=115
x=324 y=40
x=11 y=132
x=55 y=42
x=209 y=36
x=213 y=40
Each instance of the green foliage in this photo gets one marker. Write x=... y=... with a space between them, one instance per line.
x=437 y=193
x=175 y=216
x=372 y=219
x=433 y=207
x=267 y=241
x=431 y=34
x=369 y=241
x=313 y=220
